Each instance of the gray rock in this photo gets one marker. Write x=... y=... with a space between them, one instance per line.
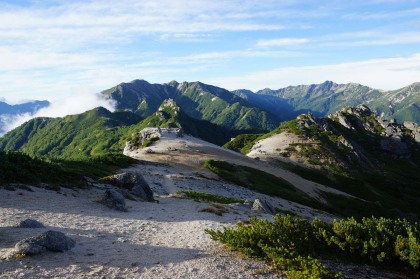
x=50 y=240
x=134 y=183
x=113 y=199
x=263 y=206
x=29 y=223
x=410 y=125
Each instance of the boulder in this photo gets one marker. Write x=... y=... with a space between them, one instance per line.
x=51 y=240
x=263 y=206
x=134 y=183
x=113 y=199
x=29 y=223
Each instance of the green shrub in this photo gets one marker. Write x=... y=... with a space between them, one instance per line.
x=292 y=243
x=149 y=142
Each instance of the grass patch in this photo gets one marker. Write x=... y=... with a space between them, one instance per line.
x=206 y=197
x=216 y=209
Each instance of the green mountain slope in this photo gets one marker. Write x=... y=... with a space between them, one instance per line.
x=325 y=98
x=93 y=133
x=197 y=100
x=99 y=132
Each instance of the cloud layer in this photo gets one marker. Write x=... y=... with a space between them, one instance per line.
x=69 y=105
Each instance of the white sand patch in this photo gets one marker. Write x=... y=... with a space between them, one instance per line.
x=273 y=145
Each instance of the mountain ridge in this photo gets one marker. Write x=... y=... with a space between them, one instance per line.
x=327 y=97
x=198 y=100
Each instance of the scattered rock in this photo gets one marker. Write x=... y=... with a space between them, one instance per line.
x=50 y=240
x=113 y=199
x=29 y=223
x=263 y=206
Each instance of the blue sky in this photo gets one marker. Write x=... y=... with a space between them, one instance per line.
x=55 y=49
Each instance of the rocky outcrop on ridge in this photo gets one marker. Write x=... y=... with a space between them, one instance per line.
x=150 y=134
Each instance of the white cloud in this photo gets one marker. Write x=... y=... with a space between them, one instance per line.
x=281 y=42
x=115 y=22
x=69 y=105
x=369 y=38
x=385 y=73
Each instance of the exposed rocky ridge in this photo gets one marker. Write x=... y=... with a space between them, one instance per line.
x=395 y=138
x=353 y=150
x=388 y=135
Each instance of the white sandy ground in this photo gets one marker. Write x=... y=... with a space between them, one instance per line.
x=151 y=240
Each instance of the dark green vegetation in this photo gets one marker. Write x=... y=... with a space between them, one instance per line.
x=197 y=100
x=261 y=182
x=206 y=197
x=20 y=168
x=322 y=99
x=295 y=245
x=242 y=143
x=149 y=142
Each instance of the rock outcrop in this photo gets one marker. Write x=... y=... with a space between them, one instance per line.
x=414 y=128
x=134 y=183
x=140 y=138
x=394 y=137
x=48 y=241
x=263 y=206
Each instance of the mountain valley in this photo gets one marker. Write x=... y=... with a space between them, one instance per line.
x=318 y=152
